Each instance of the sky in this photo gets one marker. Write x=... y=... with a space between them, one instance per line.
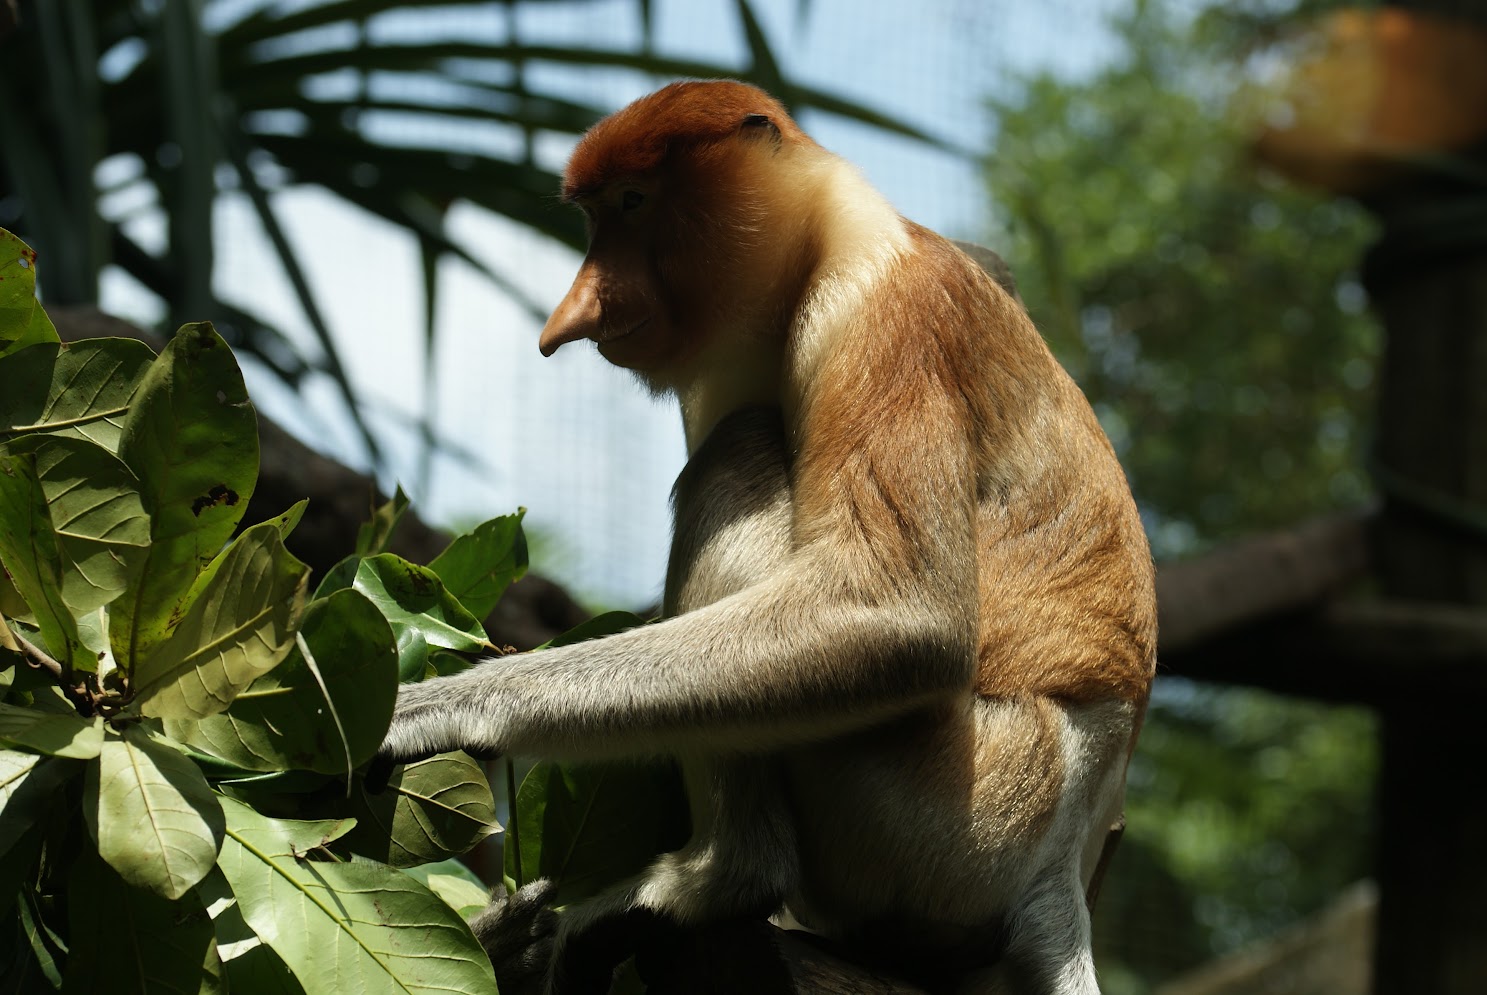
x=579 y=444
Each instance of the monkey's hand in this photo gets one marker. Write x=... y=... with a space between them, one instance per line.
x=432 y=717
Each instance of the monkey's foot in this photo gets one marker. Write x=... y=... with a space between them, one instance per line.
x=518 y=933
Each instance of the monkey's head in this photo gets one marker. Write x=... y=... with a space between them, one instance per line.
x=698 y=204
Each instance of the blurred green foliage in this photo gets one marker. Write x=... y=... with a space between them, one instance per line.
x=1209 y=311
x=1212 y=315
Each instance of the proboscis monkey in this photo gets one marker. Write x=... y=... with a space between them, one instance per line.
x=911 y=623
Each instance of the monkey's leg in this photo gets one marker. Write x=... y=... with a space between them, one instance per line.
x=1048 y=951
x=742 y=861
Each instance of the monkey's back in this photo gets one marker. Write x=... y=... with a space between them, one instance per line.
x=1066 y=585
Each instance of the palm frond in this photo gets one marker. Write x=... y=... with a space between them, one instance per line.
x=402 y=118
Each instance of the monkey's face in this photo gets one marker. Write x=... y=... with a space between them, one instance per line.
x=617 y=299
x=672 y=266
x=698 y=229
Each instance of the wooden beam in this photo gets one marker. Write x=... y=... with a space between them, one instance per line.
x=1258 y=579
x=1368 y=652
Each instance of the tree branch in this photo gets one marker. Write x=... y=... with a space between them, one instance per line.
x=1258 y=578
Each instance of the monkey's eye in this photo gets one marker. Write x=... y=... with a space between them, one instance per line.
x=631 y=199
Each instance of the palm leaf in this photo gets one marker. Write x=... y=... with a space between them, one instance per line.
x=278 y=94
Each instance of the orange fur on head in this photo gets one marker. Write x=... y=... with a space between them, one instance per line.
x=638 y=138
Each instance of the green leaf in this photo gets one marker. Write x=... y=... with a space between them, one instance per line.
x=433 y=809
x=151 y=813
x=289 y=521
x=83 y=390
x=353 y=927
x=455 y=883
x=38 y=969
x=443 y=663
x=31 y=554
x=281 y=721
x=101 y=526
x=125 y=940
x=56 y=735
x=22 y=320
x=252 y=966
x=340 y=576
x=603 y=624
x=478 y=567
x=29 y=786
x=421 y=611
x=191 y=438
x=587 y=827
x=238 y=623
x=373 y=536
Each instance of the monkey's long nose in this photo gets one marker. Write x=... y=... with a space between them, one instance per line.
x=576 y=317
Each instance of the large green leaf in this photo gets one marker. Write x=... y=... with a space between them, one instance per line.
x=44 y=732
x=587 y=827
x=478 y=566
x=421 y=611
x=32 y=556
x=101 y=527
x=22 y=320
x=128 y=941
x=82 y=390
x=151 y=813
x=283 y=721
x=252 y=966
x=352 y=927
x=433 y=809
x=191 y=438
x=238 y=623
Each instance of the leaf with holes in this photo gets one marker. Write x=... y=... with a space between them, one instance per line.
x=22 y=320
x=191 y=438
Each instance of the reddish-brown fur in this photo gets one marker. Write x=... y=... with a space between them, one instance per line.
x=947 y=404
x=637 y=139
x=913 y=617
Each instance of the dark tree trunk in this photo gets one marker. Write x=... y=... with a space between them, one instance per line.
x=1428 y=281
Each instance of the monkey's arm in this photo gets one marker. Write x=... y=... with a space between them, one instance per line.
x=873 y=614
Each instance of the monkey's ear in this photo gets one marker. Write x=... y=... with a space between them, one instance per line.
x=760 y=125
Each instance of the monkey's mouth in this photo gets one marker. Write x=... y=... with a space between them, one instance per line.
x=606 y=340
